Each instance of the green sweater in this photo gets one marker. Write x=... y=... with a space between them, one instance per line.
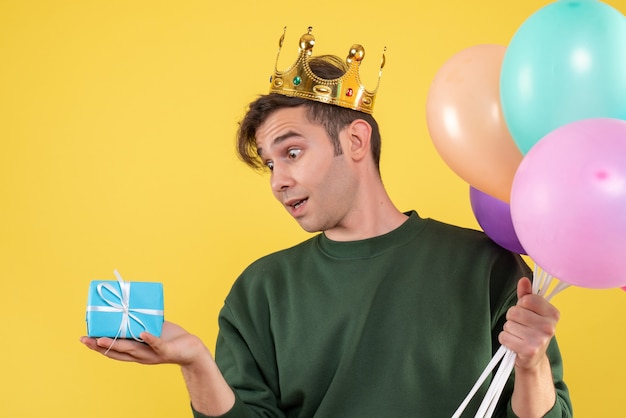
x=400 y=325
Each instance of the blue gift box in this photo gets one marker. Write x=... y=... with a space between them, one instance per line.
x=120 y=309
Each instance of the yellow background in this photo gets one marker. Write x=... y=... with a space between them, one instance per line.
x=117 y=122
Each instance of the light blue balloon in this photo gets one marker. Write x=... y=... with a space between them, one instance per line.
x=566 y=62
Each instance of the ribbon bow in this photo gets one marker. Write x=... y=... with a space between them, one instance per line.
x=121 y=304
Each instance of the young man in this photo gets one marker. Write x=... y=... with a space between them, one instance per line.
x=382 y=314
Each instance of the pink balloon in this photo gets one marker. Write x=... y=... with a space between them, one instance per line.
x=568 y=203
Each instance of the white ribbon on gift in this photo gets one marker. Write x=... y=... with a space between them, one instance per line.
x=122 y=304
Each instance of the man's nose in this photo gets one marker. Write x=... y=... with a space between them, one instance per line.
x=281 y=178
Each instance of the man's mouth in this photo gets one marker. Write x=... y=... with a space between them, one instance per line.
x=297 y=204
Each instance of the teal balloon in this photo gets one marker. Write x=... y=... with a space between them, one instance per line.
x=566 y=62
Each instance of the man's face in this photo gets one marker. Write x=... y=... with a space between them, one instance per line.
x=315 y=186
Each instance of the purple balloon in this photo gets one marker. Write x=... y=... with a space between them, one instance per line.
x=494 y=217
x=568 y=203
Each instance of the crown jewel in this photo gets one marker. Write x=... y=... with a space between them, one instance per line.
x=346 y=91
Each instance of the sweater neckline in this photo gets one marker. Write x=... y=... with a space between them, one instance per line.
x=372 y=247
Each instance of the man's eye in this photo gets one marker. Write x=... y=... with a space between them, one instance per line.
x=293 y=153
x=269 y=165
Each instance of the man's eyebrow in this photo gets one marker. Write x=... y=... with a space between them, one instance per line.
x=278 y=140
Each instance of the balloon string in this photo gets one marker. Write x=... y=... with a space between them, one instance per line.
x=497 y=386
x=542 y=285
x=542 y=281
x=492 y=364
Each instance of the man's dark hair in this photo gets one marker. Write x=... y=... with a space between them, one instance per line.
x=333 y=118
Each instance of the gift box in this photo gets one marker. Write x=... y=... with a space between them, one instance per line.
x=120 y=309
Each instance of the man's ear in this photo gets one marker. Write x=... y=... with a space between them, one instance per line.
x=359 y=135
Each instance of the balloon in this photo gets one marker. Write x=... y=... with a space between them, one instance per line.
x=466 y=123
x=566 y=62
x=568 y=203
x=494 y=217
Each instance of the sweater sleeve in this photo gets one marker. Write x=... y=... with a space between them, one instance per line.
x=244 y=358
x=238 y=362
x=511 y=266
x=239 y=410
x=562 y=407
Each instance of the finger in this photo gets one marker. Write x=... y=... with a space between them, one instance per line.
x=522 y=315
x=534 y=323
x=540 y=306
x=98 y=344
x=108 y=343
x=510 y=341
x=116 y=355
x=514 y=331
x=524 y=287
x=152 y=340
x=522 y=340
x=528 y=300
x=529 y=328
x=105 y=349
x=129 y=350
x=89 y=342
x=122 y=345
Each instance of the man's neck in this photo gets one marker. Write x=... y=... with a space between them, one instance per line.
x=377 y=216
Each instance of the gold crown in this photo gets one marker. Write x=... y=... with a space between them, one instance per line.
x=346 y=91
